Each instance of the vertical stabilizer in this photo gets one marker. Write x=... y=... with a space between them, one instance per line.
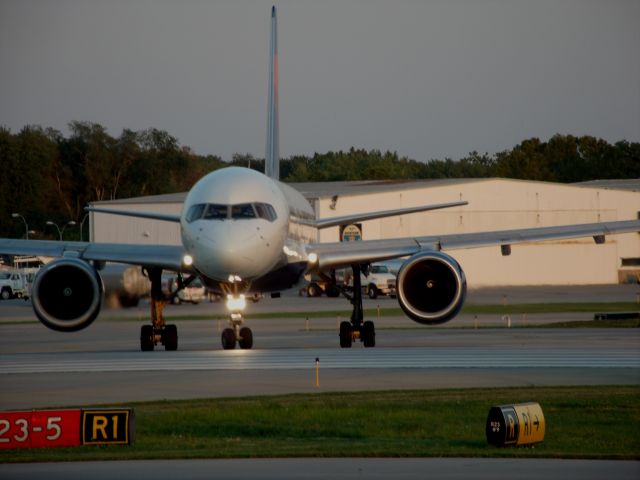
x=272 y=155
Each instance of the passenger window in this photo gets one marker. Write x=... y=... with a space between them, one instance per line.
x=243 y=210
x=195 y=212
x=215 y=212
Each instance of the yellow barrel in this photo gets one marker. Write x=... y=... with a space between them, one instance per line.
x=519 y=424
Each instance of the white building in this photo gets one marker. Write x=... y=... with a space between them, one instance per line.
x=494 y=204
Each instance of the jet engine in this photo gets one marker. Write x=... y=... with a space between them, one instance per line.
x=67 y=294
x=431 y=287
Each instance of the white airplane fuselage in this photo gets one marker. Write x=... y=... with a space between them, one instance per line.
x=235 y=222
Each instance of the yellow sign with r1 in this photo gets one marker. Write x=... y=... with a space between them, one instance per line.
x=108 y=427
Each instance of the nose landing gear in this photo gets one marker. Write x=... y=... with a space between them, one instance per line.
x=235 y=333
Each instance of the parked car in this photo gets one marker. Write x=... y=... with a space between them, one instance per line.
x=193 y=293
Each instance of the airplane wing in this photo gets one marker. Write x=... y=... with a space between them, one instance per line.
x=165 y=217
x=333 y=255
x=361 y=217
x=168 y=257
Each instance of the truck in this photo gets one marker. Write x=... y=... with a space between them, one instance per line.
x=381 y=280
x=14 y=284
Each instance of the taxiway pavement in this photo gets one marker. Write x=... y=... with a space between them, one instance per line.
x=103 y=364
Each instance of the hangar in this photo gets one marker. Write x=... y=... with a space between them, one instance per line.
x=494 y=204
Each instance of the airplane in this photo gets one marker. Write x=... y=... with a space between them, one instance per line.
x=245 y=232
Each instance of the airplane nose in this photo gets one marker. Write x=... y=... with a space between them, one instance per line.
x=232 y=248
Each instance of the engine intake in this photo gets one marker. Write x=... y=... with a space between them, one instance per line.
x=431 y=287
x=67 y=294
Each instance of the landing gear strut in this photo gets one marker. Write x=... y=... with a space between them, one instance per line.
x=357 y=328
x=158 y=331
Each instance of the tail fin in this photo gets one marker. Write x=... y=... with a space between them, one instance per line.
x=272 y=155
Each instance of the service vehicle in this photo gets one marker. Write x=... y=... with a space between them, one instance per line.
x=14 y=284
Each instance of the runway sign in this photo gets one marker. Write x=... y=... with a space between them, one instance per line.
x=520 y=424
x=66 y=428
x=108 y=427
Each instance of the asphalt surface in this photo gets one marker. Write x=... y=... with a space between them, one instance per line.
x=335 y=469
x=102 y=364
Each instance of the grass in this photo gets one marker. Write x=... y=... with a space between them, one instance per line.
x=581 y=422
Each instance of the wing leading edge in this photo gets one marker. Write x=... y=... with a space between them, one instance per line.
x=361 y=217
x=334 y=255
x=168 y=257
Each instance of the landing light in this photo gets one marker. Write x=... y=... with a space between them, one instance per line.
x=187 y=260
x=236 y=304
x=313 y=257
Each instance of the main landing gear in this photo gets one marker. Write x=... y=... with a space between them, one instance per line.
x=357 y=328
x=158 y=332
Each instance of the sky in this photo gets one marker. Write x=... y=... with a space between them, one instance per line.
x=427 y=79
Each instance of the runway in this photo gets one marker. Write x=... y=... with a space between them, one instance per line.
x=291 y=359
x=103 y=365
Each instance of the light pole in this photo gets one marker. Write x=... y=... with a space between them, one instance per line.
x=60 y=232
x=26 y=227
x=82 y=226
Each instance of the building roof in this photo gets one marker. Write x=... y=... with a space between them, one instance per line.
x=631 y=184
x=315 y=190
x=361 y=187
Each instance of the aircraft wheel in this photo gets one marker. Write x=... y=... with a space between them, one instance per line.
x=146 y=338
x=170 y=337
x=369 y=334
x=228 y=339
x=246 y=338
x=345 y=335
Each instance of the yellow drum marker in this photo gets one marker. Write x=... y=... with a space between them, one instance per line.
x=520 y=424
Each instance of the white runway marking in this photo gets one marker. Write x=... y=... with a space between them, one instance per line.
x=289 y=359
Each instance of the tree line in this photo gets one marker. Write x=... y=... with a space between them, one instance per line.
x=47 y=176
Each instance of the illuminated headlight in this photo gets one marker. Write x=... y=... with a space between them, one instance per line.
x=187 y=260
x=236 y=304
x=313 y=257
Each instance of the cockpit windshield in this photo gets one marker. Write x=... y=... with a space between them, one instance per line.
x=241 y=211
x=214 y=211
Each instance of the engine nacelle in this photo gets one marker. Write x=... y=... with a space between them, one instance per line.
x=67 y=294
x=431 y=287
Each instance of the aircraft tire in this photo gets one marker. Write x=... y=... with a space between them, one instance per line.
x=246 y=338
x=345 y=335
x=228 y=339
x=170 y=335
x=369 y=334
x=146 y=338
